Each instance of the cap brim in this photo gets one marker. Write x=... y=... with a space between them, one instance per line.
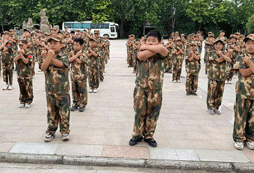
x=218 y=41
x=54 y=39
x=246 y=39
x=27 y=30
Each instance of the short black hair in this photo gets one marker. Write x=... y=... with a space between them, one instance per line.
x=155 y=34
x=79 y=40
x=170 y=38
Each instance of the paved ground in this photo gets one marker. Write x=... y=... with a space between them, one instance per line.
x=185 y=131
x=31 y=168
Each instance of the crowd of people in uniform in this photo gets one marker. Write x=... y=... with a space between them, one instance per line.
x=84 y=55
x=223 y=58
x=58 y=53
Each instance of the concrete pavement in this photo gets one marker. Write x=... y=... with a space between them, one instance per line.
x=185 y=131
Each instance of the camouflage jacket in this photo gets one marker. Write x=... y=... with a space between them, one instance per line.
x=7 y=56
x=79 y=71
x=56 y=78
x=235 y=54
x=178 y=57
x=217 y=71
x=208 y=46
x=245 y=85
x=150 y=73
x=25 y=70
x=192 y=67
x=93 y=61
x=135 y=49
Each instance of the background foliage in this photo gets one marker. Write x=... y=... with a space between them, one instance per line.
x=185 y=16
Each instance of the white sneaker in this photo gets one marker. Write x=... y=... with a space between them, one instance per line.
x=218 y=112
x=250 y=145
x=48 y=138
x=39 y=70
x=174 y=81
x=210 y=111
x=239 y=145
x=21 y=105
x=178 y=81
x=6 y=87
x=65 y=137
x=95 y=91
x=10 y=87
x=27 y=105
x=91 y=90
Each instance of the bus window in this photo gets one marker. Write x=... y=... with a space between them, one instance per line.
x=112 y=29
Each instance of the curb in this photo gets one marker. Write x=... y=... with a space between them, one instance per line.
x=121 y=162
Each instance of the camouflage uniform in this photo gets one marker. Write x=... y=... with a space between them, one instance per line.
x=101 y=59
x=32 y=50
x=25 y=73
x=78 y=80
x=7 y=59
x=107 y=44
x=130 y=50
x=177 y=64
x=135 y=54
x=244 y=104
x=192 y=71
x=208 y=49
x=58 y=98
x=168 y=61
x=148 y=95
x=38 y=52
x=229 y=70
x=216 y=81
x=93 y=70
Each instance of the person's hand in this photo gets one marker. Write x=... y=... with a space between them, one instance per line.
x=51 y=53
x=71 y=53
x=44 y=54
x=247 y=60
x=90 y=49
x=79 y=53
x=219 y=52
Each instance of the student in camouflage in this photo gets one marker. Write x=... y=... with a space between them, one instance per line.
x=93 y=66
x=208 y=48
x=177 y=58
x=7 y=63
x=130 y=44
x=56 y=70
x=192 y=66
x=168 y=60
x=216 y=77
x=244 y=104
x=24 y=61
x=148 y=90
x=136 y=48
x=78 y=60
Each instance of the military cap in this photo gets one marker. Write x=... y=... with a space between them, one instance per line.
x=84 y=30
x=237 y=33
x=47 y=34
x=89 y=28
x=132 y=35
x=217 y=41
x=179 y=39
x=105 y=36
x=249 y=37
x=137 y=39
x=39 y=31
x=232 y=36
x=23 y=41
x=59 y=32
x=55 y=37
x=27 y=30
x=222 y=31
x=96 y=31
x=92 y=39
x=194 y=43
x=177 y=32
x=210 y=33
x=78 y=30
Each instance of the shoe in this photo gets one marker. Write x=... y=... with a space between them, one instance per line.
x=39 y=70
x=48 y=138
x=21 y=105
x=211 y=112
x=178 y=81
x=81 y=109
x=91 y=90
x=6 y=87
x=170 y=71
x=95 y=91
x=135 y=140
x=151 y=142
x=188 y=93
x=10 y=87
x=250 y=145
x=65 y=137
x=73 y=108
x=101 y=79
x=27 y=105
x=194 y=93
x=174 y=81
x=239 y=145
x=230 y=82
x=218 y=112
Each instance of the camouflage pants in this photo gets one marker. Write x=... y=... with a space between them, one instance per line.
x=79 y=92
x=102 y=66
x=147 y=105
x=58 y=112
x=177 y=69
x=135 y=63
x=130 y=59
x=106 y=57
x=168 y=64
x=206 y=61
x=244 y=120
x=8 y=73
x=191 y=82
x=33 y=67
x=40 y=61
x=230 y=72
x=214 y=94
x=26 y=90
x=94 y=77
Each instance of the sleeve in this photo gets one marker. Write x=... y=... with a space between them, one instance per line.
x=239 y=64
x=84 y=57
x=64 y=60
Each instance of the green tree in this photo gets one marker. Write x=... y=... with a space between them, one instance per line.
x=250 y=24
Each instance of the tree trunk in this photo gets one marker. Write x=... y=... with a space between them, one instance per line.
x=121 y=28
x=144 y=29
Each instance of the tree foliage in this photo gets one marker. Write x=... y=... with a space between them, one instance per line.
x=250 y=24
